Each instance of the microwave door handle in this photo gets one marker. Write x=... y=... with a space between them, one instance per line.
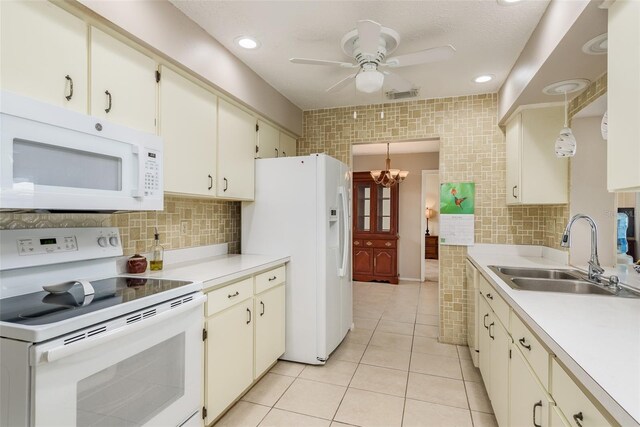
x=138 y=192
x=63 y=351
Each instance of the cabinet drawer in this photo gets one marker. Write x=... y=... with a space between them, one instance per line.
x=269 y=279
x=573 y=403
x=533 y=351
x=227 y=296
x=496 y=302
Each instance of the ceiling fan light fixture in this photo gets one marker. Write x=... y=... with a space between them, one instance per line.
x=369 y=81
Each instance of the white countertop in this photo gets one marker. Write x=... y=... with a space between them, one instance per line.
x=596 y=337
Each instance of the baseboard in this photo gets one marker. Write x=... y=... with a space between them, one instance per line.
x=410 y=279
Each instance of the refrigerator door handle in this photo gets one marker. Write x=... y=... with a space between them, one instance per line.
x=345 y=231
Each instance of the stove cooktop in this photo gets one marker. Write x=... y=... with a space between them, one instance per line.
x=43 y=308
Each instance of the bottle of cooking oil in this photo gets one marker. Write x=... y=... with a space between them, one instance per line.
x=157 y=252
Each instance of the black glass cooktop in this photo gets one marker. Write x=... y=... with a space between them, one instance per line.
x=41 y=308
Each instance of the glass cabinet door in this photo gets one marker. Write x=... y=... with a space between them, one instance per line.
x=363 y=207
x=383 y=209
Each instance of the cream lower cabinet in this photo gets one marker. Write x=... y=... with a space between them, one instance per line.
x=529 y=403
x=485 y=317
x=188 y=126
x=44 y=53
x=270 y=315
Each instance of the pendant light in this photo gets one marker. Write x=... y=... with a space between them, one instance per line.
x=388 y=177
x=566 y=142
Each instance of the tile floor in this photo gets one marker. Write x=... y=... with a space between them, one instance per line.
x=389 y=371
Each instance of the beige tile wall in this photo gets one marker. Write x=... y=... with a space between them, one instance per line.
x=472 y=149
x=205 y=222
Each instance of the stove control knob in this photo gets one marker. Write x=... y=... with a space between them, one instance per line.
x=113 y=241
x=102 y=241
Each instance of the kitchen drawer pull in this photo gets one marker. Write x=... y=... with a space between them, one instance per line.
x=534 y=413
x=249 y=311
x=226 y=184
x=233 y=295
x=106 y=110
x=387 y=244
x=262 y=304
x=356 y=243
x=210 y=182
x=271 y=279
x=484 y=321
x=369 y=243
x=70 y=80
x=577 y=418
x=489 y=328
x=522 y=343
x=490 y=297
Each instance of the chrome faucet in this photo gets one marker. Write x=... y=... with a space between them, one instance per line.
x=595 y=270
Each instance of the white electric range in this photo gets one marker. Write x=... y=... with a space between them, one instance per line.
x=103 y=349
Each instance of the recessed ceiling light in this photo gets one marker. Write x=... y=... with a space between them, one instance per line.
x=247 y=42
x=566 y=86
x=483 y=78
x=597 y=45
x=507 y=2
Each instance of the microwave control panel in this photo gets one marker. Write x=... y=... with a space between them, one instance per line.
x=152 y=173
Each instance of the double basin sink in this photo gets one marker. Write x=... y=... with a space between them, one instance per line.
x=557 y=280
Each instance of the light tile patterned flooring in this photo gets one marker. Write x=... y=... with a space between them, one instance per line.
x=389 y=371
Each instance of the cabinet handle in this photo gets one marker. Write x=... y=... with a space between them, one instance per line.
x=261 y=303
x=484 y=321
x=233 y=295
x=70 y=80
x=226 y=184
x=271 y=279
x=210 y=182
x=522 y=343
x=106 y=110
x=490 y=296
x=534 y=413
x=513 y=191
x=284 y=154
x=277 y=155
x=356 y=243
x=387 y=244
x=577 y=418
x=489 y=328
x=249 y=311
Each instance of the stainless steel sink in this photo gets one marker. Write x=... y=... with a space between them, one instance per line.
x=558 y=280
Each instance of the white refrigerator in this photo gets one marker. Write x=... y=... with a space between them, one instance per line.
x=302 y=209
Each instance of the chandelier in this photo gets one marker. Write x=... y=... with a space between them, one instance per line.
x=388 y=177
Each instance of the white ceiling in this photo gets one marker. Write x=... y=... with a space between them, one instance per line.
x=428 y=146
x=487 y=36
x=596 y=109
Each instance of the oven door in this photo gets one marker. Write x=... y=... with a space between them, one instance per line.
x=145 y=373
x=52 y=158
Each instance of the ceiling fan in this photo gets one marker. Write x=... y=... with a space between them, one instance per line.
x=369 y=44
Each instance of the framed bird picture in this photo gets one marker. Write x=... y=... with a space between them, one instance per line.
x=457 y=213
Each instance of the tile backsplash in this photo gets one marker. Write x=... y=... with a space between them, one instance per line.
x=184 y=222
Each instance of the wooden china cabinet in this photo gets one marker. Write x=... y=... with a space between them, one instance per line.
x=375 y=230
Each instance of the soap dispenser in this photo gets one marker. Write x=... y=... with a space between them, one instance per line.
x=157 y=253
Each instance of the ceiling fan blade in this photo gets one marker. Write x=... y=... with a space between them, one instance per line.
x=322 y=62
x=342 y=83
x=434 y=54
x=369 y=36
x=397 y=82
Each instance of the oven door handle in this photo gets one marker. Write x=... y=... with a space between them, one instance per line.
x=63 y=351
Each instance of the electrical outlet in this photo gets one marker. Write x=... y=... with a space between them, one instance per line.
x=183 y=227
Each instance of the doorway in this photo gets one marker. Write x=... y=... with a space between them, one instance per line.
x=429 y=225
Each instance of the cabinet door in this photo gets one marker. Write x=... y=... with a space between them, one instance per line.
x=236 y=150
x=362 y=261
x=513 y=142
x=485 y=317
x=499 y=392
x=288 y=146
x=623 y=64
x=269 y=309
x=41 y=45
x=528 y=403
x=268 y=141
x=384 y=262
x=188 y=129
x=123 y=83
x=229 y=357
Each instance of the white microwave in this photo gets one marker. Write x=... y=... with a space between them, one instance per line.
x=55 y=159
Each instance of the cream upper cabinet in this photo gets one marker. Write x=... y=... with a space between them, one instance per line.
x=187 y=125
x=44 y=53
x=236 y=150
x=123 y=83
x=623 y=96
x=270 y=328
x=268 y=141
x=287 y=145
x=534 y=174
x=529 y=404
